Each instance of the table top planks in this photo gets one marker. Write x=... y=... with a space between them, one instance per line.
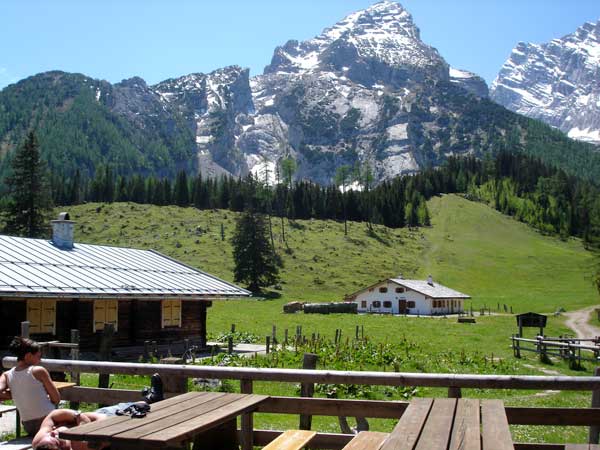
x=438 y=428
x=406 y=433
x=170 y=422
x=453 y=424
x=495 y=433
x=465 y=433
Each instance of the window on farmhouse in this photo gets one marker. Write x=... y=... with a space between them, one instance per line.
x=399 y=290
x=363 y=304
x=105 y=311
x=171 y=313
x=376 y=304
x=383 y=290
x=435 y=304
x=387 y=304
x=41 y=315
x=411 y=304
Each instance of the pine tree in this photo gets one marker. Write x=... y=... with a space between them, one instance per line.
x=181 y=191
x=28 y=210
x=252 y=254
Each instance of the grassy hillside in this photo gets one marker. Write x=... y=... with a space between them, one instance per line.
x=470 y=247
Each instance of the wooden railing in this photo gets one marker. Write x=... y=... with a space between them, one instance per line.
x=338 y=407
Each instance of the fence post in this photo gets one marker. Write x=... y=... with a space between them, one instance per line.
x=171 y=383
x=230 y=345
x=307 y=389
x=75 y=376
x=247 y=419
x=454 y=392
x=25 y=329
x=106 y=343
x=595 y=429
x=268 y=344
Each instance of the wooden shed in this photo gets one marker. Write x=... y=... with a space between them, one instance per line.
x=58 y=285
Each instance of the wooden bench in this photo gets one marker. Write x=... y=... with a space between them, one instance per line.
x=6 y=409
x=291 y=440
x=366 y=440
x=466 y=320
x=582 y=447
x=16 y=444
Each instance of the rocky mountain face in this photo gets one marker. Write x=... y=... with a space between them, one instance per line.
x=346 y=96
x=557 y=82
x=365 y=92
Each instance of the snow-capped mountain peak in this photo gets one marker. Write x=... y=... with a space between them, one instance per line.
x=384 y=34
x=557 y=82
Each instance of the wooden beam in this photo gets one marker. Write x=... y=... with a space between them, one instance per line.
x=553 y=416
x=333 y=407
x=326 y=376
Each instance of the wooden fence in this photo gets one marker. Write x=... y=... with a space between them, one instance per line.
x=572 y=349
x=174 y=374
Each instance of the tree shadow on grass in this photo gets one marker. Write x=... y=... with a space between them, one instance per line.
x=266 y=295
x=373 y=234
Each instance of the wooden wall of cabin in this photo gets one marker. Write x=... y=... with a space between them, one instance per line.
x=138 y=320
x=13 y=312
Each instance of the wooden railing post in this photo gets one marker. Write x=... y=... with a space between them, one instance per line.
x=594 y=436
x=307 y=389
x=25 y=329
x=105 y=350
x=454 y=392
x=75 y=376
x=173 y=384
x=247 y=419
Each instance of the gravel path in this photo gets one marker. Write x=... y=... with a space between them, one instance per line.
x=578 y=321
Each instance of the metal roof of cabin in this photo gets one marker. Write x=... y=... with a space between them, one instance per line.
x=36 y=267
x=433 y=290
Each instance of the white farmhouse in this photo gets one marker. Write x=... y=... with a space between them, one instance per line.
x=400 y=296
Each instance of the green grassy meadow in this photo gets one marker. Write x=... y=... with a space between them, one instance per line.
x=469 y=247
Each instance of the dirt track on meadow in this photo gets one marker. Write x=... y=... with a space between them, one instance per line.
x=579 y=320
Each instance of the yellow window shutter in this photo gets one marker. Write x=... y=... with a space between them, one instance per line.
x=112 y=312
x=176 y=313
x=34 y=315
x=166 y=313
x=99 y=315
x=48 y=316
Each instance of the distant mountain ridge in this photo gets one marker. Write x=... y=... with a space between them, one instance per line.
x=366 y=91
x=557 y=82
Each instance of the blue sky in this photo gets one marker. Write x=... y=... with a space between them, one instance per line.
x=156 y=40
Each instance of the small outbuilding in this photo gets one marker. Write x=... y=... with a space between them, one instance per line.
x=400 y=296
x=58 y=285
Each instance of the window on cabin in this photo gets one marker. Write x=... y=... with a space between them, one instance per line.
x=399 y=290
x=435 y=304
x=41 y=315
x=363 y=304
x=383 y=290
x=410 y=304
x=376 y=304
x=105 y=311
x=171 y=313
x=387 y=304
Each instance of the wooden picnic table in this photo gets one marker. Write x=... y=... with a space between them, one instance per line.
x=206 y=418
x=453 y=424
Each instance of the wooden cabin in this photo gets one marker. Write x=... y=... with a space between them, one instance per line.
x=58 y=285
x=415 y=297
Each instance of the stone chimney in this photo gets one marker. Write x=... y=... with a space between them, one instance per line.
x=62 y=231
x=430 y=280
